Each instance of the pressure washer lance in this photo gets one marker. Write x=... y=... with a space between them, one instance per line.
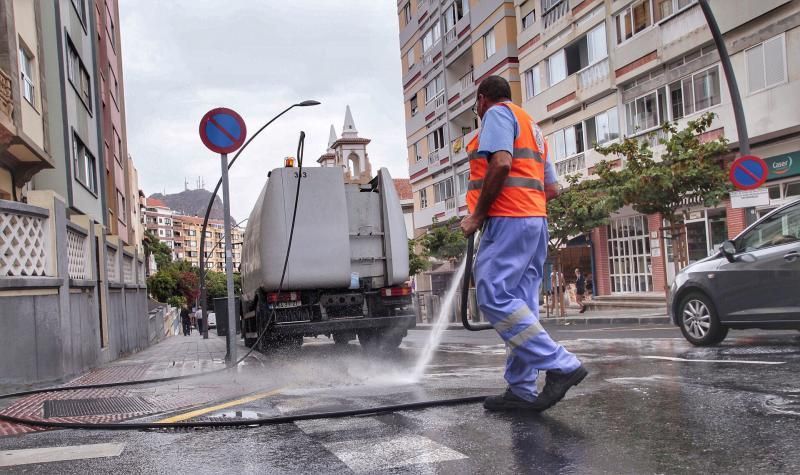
x=235 y=423
x=466 y=301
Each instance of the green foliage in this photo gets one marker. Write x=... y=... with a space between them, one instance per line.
x=687 y=169
x=162 y=286
x=445 y=241
x=160 y=251
x=176 y=301
x=176 y=279
x=416 y=262
x=579 y=209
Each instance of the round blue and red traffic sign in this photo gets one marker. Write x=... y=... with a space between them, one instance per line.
x=222 y=130
x=748 y=172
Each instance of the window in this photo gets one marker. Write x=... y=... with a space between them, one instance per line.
x=488 y=44
x=533 y=82
x=84 y=164
x=121 y=207
x=602 y=128
x=443 y=190
x=706 y=89
x=415 y=150
x=556 y=68
x=646 y=112
x=423 y=198
x=26 y=74
x=431 y=37
x=528 y=20
x=463 y=182
x=413 y=104
x=114 y=85
x=410 y=57
x=112 y=31
x=407 y=14
x=766 y=64
x=566 y=142
x=436 y=139
x=79 y=76
x=633 y=20
x=780 y=228
x=434 y=88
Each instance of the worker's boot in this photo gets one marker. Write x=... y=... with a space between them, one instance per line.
x=508 y=401
x=556 y=386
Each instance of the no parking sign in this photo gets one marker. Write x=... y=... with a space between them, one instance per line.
x=748 y=172
x=222 y=130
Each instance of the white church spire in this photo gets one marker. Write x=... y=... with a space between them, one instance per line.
x=349 y=128
x=331 y=138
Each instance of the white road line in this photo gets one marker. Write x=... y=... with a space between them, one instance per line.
x=371 y=455
x=671 y=358
x=11 y=458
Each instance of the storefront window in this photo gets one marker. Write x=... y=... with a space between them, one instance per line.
x=629 y=255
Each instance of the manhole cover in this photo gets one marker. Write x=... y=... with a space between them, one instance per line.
x=94 y=407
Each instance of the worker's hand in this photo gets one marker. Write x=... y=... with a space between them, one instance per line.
x=470 y=224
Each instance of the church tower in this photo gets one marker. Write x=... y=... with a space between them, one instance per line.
x=350 y=152
x=328 y=159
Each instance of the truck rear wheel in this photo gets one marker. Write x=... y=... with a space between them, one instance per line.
x=379 y=340
x=343 y=338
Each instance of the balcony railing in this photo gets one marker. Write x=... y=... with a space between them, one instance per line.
x=6 y=97
x=450 y=36
x=593 y=74
x=552 y=15
x=450 y=203
x=571 y=165
x=466 y=80
x=439 y=101
x=433 y=156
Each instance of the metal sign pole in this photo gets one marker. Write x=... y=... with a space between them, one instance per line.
x=230 y=339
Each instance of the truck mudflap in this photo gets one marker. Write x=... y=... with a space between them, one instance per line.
x=337 y=325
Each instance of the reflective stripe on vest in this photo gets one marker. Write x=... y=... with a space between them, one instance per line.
x=522 y=194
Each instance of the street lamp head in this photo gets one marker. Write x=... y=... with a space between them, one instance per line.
x=308 y=103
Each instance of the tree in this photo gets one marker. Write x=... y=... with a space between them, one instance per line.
x=445 y=241
x=416 y=262
x=689 y=169
x=160 y=251
x=162 y=286
x=579 y=209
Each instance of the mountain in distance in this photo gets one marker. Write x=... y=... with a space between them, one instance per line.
x=192 y=203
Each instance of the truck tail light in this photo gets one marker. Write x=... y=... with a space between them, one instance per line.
x=395 y=291
x=274 y=297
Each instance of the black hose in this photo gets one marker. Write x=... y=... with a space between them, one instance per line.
x=234 y=423
x=474 y=327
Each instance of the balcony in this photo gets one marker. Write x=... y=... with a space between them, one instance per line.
x=570 y=166
x=556 y=99
x=554 y=14
x=459 y=146
x=450 y=36
x=593 y=78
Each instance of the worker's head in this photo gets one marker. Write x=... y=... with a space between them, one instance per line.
x=492 y=90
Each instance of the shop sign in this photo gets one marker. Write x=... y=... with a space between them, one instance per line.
x=784 y=165
x=750 y=198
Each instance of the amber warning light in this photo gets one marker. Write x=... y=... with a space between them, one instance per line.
x=288 y=162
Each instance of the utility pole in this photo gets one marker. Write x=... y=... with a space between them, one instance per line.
x=230 y=357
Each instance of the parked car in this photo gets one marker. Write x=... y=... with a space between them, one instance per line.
x=752 y=282
x=212 y=320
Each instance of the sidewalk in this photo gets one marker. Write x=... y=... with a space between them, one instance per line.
x=174 y=356
x=648 y=316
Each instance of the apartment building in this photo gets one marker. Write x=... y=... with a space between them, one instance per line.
x=73 y=119
x=158 y=219
x=595 y=71
x=119 y=199
x=447 y=48
x=24 y=144
x=187 y=232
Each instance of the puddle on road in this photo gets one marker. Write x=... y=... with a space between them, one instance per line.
x=248 y=415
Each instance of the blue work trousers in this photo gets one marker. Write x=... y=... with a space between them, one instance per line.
x=508 y=274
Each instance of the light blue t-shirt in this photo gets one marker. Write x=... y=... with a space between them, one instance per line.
x=496 y=135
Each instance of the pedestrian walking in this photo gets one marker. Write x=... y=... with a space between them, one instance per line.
x=198 y=316
x=510 y=179
x=186 y=320
x=580 y=289
x=558 y=289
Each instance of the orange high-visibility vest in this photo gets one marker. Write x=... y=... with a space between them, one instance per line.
x=523 y=192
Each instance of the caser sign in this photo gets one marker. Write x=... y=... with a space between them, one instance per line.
x=782 y=166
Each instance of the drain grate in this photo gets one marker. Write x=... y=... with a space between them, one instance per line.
x=94 y=407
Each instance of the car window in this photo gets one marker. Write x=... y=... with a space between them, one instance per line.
x=780 y=228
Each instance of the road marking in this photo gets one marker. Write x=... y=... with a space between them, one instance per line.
x=11 y=458
x=206 y=410
x=371 y=455
x=671 y=358
x=609 y=329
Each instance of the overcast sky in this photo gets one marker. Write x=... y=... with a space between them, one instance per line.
x=182 y=58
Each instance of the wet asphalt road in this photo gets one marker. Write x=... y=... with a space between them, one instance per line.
x=651 y=404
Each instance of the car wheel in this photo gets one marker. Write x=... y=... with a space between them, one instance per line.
x=368 y=340
x=699 y=321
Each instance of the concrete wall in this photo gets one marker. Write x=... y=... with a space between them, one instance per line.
x=53 y=325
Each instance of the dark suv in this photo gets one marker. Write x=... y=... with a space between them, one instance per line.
x=752 y=282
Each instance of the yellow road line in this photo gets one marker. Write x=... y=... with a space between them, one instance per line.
x=206 y=410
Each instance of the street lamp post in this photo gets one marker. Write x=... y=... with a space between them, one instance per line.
x=203 y=305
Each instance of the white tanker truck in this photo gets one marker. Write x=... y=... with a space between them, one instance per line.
x=347 y=267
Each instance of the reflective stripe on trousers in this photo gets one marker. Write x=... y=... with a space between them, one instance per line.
x=508 y=274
